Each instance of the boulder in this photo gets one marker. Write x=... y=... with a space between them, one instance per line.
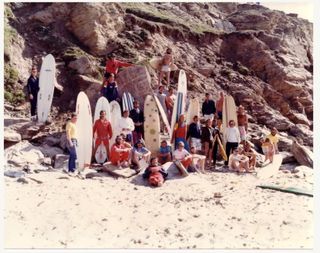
x=14 y=121
x=50 y=151
x=23 y=153
x=82 y=65
x=285 y=144
x=287 y=157
x=61 y=161
x=135 y=80
x=302 y=133
x=52 y=13
x=63 y=141
x=10 y=135
x=302 y=154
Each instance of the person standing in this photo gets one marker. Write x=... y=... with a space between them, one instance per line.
x=162 y=97
x=33 y=89
x=208 y=107
x=232 y=138
x=194 y=133
x=180 y=133
x=113 y=65
x=167 y=60
x=137 y=117
x=71 y=132
x=207 y=140
x=126 y=126
x=219 y=105
x=110 y=89
x=103 y=131
x=274 y=139
x=170 y=99
x=242 y=123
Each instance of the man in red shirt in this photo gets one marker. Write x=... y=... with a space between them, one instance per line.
x=113 y=65
x=103 y=131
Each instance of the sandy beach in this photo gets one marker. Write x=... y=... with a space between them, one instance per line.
x=105 y=212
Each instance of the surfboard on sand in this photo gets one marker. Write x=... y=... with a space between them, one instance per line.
x=229 y=112
x=84 y=131
x=156 y=63
x=151 y=125
x=270 y=169
x=193 y=110
x=118 y=172
x=181 y=168
x=127 y=101
x=294 y=190
x=115 y=112
x=101 y=154
x=163 y=114
x=102 y=104
x=47 y=79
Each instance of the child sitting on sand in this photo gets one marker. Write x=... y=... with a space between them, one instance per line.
x=164 y=154
x=155 y=173
x=268 y=150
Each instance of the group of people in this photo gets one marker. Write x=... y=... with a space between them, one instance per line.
x=196 y=145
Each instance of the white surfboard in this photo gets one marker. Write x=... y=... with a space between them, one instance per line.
x=84 y=130
x=151 y=125
x=115 y=112
x=102 y=104
x=127 y=101
x=163 y=114
x=229 y=112
x=182 y=87
x=193 y=110
x=270 y=169
x=101 y=154
x=47 y=79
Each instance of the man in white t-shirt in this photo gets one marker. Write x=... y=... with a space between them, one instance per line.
x=126 y=126
x=232 y=138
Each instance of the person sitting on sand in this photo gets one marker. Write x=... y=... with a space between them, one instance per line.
x=248 y=151
x=183 y=156
x=238 y=162
x=274 y=139
x=140 y=153
x=164 y=154
x=167 y=60
x=155 y=173
x=268 y=150
x=170 y=99
x=120 y=154
x=110 y=89
x=180 y=133
x=198 y=161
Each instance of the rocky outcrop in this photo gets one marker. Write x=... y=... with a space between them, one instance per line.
x=302 y=154
x=51 y=14
x=10 y=135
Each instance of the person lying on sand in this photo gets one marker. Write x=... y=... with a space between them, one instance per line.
x=164 y=154
x=155 y=173
x=238 y=162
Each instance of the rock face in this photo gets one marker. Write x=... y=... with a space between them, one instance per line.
x=11 y=135
x=262 y=57
x=302 y=154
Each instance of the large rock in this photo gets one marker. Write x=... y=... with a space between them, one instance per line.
x=287 y=157
x=61 y=161
x=135 y=80
x=50 y=151
x=23 y=153
x=303 y=155
x=94 y=24
x=82 y=65
x=52 y=13
x=10 y=135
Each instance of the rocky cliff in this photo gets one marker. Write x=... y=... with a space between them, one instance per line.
x=262 y=58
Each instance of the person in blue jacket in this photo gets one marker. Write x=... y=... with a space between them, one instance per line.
x=110 y=89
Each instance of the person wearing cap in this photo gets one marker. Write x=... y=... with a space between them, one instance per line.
x=180 y=133
x=126 y=126
x=113 y=65
x=71 y=132
x=109 y=89
x=139 y=153
x=136 y=114
x=120 y=154
x=164 y=154
x=33 y=89
x=183 y=156
x=242 y=123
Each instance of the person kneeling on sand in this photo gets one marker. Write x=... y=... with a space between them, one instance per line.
x=140 y=154
x=155 y=173
x=238 y=162
x=268 y=150
x=120 y=154
x=164 y=154
x=184 y=157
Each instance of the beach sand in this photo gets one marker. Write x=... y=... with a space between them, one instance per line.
x=105 y=212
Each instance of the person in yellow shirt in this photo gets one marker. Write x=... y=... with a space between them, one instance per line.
x=274 y=139
x=71 y=132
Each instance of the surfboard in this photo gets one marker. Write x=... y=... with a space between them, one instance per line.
x=118 y=172
x=182 y=82
x=46 y=84
x=151 y=125
x=229 y=112
x=163 y=114
x=177 y=110
x=270 y=169
x=221 y=148
x=127 y=101
x=181 y=168
x=294 y=190
x=102 y=104
x=156 y=63
x=101 y=154
x=193 y=110
x=115 y=112
x=84 y=131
